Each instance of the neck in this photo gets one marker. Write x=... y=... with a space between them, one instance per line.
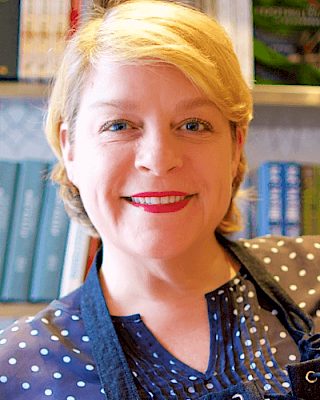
x=131 y=283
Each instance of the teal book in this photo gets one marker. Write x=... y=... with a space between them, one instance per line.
x=50 y=247
x=269 y=185
x=22 y=236
x=8 y=172
x=291 y=199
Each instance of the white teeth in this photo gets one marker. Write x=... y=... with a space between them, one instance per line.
x=157 y=200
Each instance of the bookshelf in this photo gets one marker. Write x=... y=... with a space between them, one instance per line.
x=299 y=96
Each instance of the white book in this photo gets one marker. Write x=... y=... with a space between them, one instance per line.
x=76 y=257
x=44 y=43
x=26 y=43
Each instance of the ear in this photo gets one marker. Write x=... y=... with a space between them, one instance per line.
x=238 y=149
x=67 y=150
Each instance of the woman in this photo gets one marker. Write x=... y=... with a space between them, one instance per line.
x=148 y=116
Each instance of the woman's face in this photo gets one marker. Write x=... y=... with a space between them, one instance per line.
x=145 y=134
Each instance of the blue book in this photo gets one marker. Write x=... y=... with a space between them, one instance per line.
x=22 y=236
x=8 y=172
x=269 y=218
x=291 y=199
x=50 y=246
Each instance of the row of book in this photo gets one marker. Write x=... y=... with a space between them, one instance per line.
x=283 y=198
x=43 y=255
x=33 y=33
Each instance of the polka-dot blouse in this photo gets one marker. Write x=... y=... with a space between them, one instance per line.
x=50 y=356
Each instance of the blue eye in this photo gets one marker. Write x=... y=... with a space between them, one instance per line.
x=196 y=126
x=118 y=126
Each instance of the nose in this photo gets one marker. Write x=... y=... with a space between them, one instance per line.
x=158 y=152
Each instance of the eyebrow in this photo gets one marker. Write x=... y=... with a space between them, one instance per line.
x=127 y=105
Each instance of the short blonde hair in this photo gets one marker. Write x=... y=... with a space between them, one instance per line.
x=146 y=32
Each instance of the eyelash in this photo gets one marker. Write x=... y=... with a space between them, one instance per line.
x=207 y=126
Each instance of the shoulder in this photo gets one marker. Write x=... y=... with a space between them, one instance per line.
x=295 y=265
x=48 y=354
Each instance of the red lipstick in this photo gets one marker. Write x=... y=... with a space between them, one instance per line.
x=168 y=203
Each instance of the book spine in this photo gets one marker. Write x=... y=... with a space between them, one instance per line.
x=27 y=35
x=307 y=198
x=8 y=173
x=44 y=42
x=50 y=247
x=270 y=209
x=76 y=7
x=9 y=33
x=23 y=233
x=62 y=25
x=291 y=199
x=75 y=261
x=316 y=203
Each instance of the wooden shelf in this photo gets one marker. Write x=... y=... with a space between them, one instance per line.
x=276 y=95
x=284 y=95
x=15 y=310
x=23 y=90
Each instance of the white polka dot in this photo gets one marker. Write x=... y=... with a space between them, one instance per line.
x=310 y=256
x=261 y=240
x=174 y=371
x=299 y=240
x=266 y=328
x=220 y=292
x=191 y=390
x=34 y=332
x=35 y=368
x=75 y=317
x=318 y=313
x=64 y=333
x=48 y=392
x=253 y=329
x=253 y=365
x=73 y=398
x=44 y=352
x=58 y=313
x=250 y=378
x=311 y=292
x=248 y=342
x=270 y=364
x=66 y=359
x=283 y=335
x=250 y=294
x=276 y=278
x=134 y=374
x=193 y=378
x=15 y=329
x=209 y=386
x=174 y=381
x=81 y=384
x=256 y=318
x=242 y=356
x=318 y=278
x=255 y=246
x=3 y=341
x=302 y=272
x=45 y=321
x=76 y=351
x=54 y=338
x=172 y=362
x=25 y=385
x=274 y=250
x=268 y=376
x=155 y=355
x=246 y=244
x=280 y=243
x=267 y=260
x=267 y=386
x=258 y=354
x=273 y=350
x=317 y=245
x=286 y=384
x=292 y=357
x=240 y=299
x=302 y=304
x=3 y=379
x=22 y=345
x=293 y=288
x=274 y=312
x=262 y=342
x=284 y=268
x=292 y=255
x=85 y=338
x=12 y=361
x=57 y=375
x=89 y=367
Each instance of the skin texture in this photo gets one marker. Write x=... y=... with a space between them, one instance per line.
x=150 y=129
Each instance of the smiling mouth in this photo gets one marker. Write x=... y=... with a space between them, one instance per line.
x=158 y=200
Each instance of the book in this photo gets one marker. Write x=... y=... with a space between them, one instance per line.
x=269 y=210
x=75 y=262
x=9 y=34
x=44 y=41
x=291 y=201
x=26 y=60
x=60 y=20
x=50 y=247
x=307 y=199
x=76 y=14
x=286 y=42
x=22 y=236
x=8 y=173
